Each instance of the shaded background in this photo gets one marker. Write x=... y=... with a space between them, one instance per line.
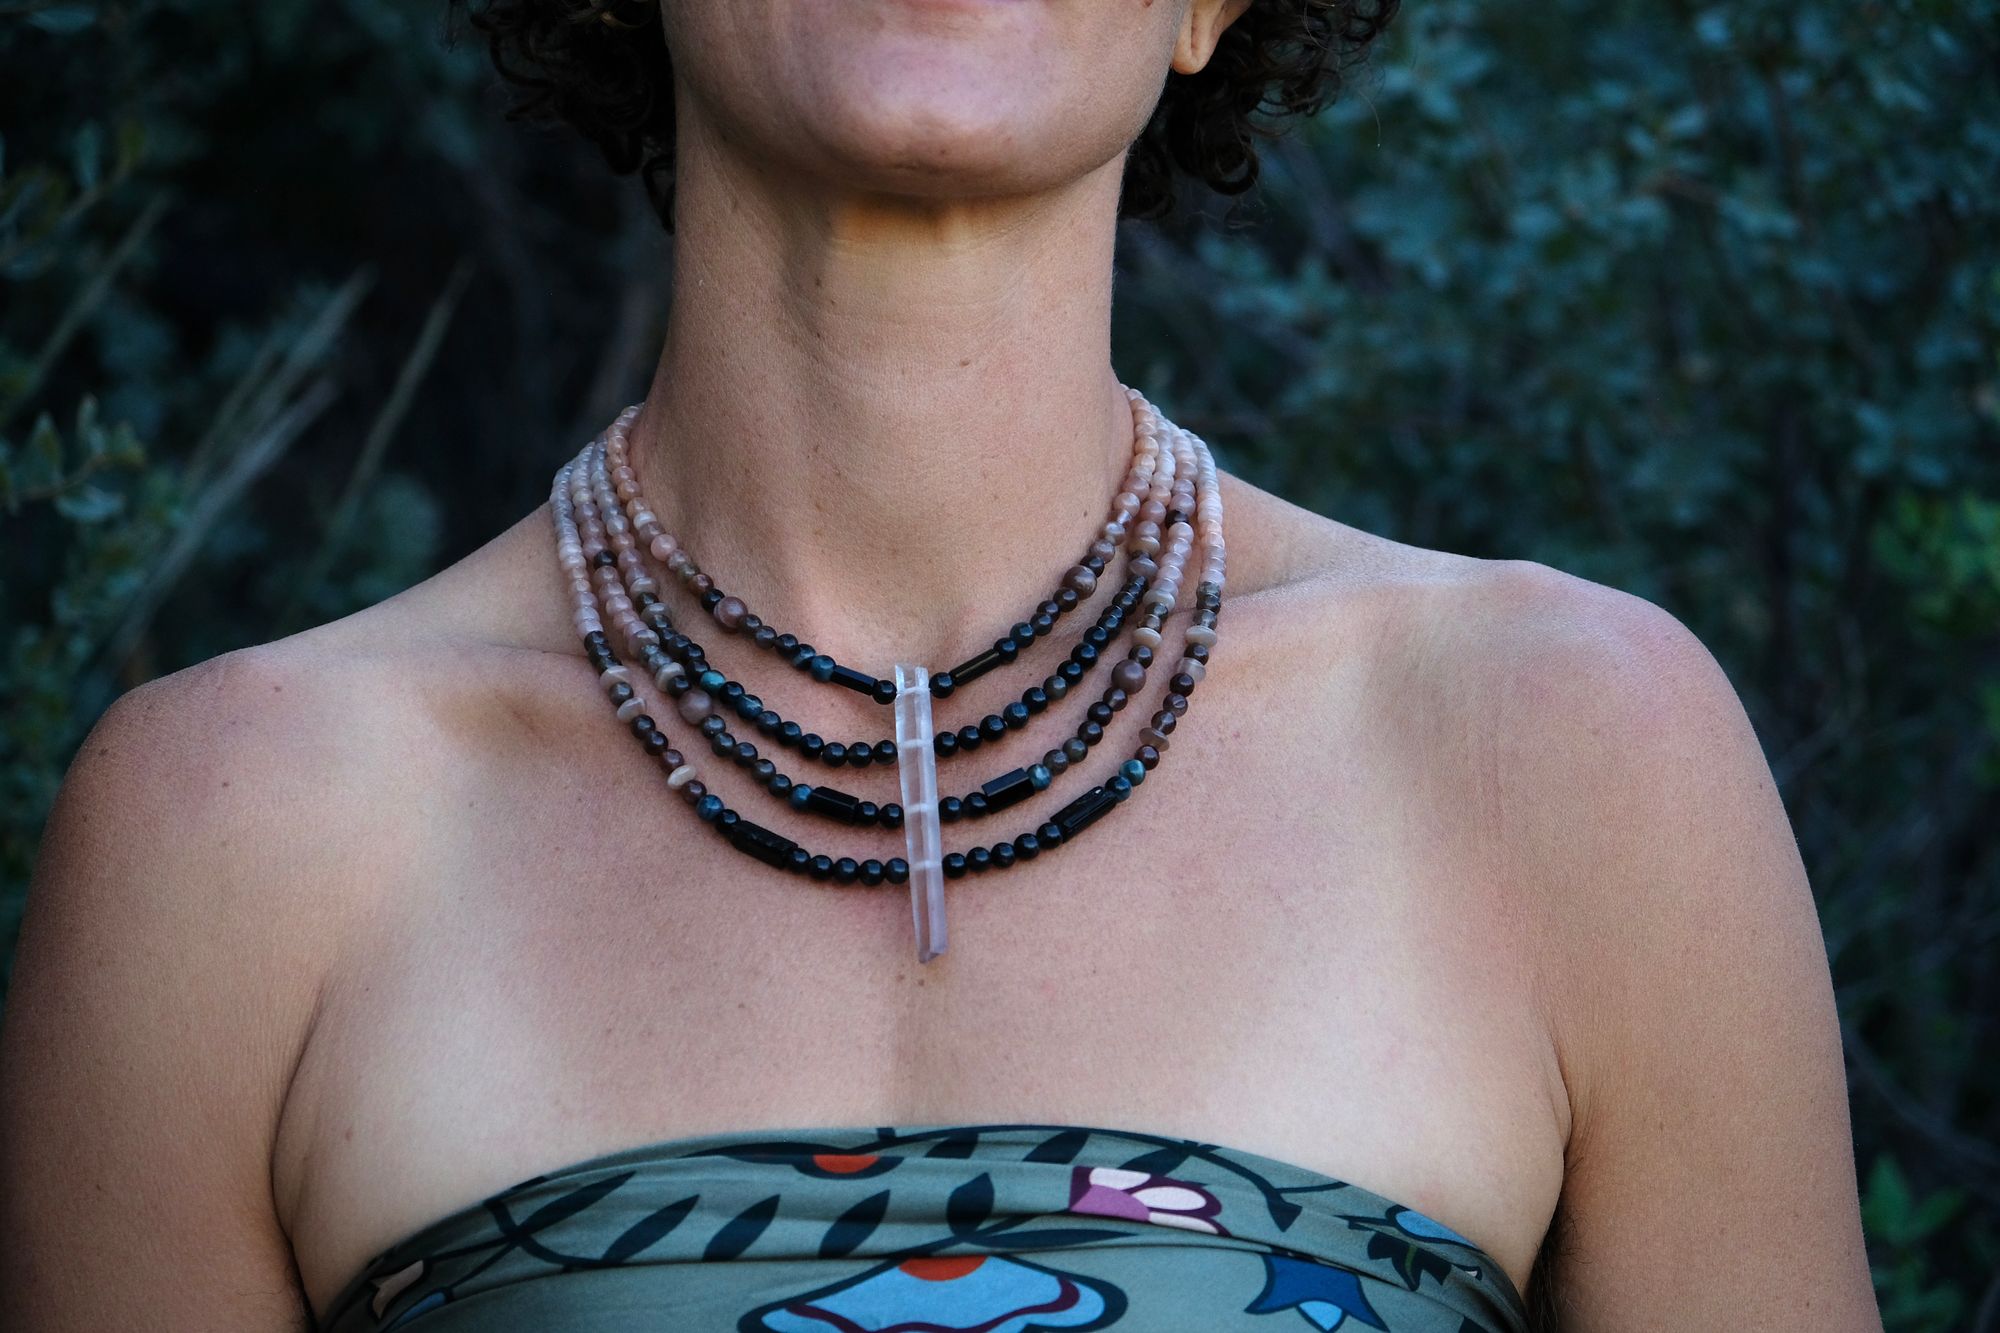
x=1698 y=300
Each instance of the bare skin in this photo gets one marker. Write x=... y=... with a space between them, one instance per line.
x=1465 y=881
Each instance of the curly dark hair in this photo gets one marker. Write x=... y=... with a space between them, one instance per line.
x=601 y=67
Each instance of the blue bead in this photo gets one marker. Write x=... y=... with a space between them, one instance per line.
x=1040 y=776
x=1120 y=787
x=1133 y=771
x=801 y=793
x=708 y=807
x=711 y=680
x=822 y=667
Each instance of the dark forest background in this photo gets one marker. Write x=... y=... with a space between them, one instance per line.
x=1701 y=300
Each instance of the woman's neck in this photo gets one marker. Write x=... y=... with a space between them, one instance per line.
x=887 y=427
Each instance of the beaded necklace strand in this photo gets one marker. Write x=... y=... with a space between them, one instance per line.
x=602 y=524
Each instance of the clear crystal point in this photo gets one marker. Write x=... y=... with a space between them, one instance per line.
x=916 y=765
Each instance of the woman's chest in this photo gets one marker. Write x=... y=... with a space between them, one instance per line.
x=1326 y=988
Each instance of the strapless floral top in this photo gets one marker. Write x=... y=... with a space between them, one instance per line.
x=1009 y=1228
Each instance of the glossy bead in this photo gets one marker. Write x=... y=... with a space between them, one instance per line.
x=729 y=613
x=954 y=865
x=708 y=807
x=695 y=705
x=1132 y=771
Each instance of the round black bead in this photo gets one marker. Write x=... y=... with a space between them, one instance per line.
x=1022 y=633
x=822 y=866
x=954 y=865
x=1003 y=855
x=885 y=692
x=787 y=643
x=789 y=733
x=969 y=737
x=945 y=743
x=1091 y=732
x=942 y=685
x=976 y=804
x=710 y=598
x=871 y=872
x=949 y=809
x=779 y=785
x=746 y=753
x=1036 y=698
x=846 y=870
x=619 y=692
x=1181 y=683
x=833 y=753
x=810 y=745
x=1068 y=598
x=892 y=815
x=1015 y=714
x=993 y=726
x=1099 y=712
x=897 y=870
x=1027 y=846
x=1097 y=636
x=1071 y=671
x=868 y=812
x=860 y=754
x=769 y=723
x=1050 y=833
x=1043 y=622
x=708 y=807
x=732 y=691
x=1007 y=648
x=798 y=859
x=656 y=743
x=604 y=559
x=713 y=725
x=979 y=859
x=885 y=752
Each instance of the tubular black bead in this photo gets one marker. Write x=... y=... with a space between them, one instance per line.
x=1081 y=813
x=772 y=849
x=1007 y=789
x=975 y=667
x=837 y=804
x=855 y=680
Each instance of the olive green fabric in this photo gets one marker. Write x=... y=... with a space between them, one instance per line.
x=931 y=1229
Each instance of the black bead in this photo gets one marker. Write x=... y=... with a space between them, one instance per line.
x=764 y=636
x=871 y=872
x=897 y=870
x=1027 y=846
x=1043 y=622
x=954 y=865
x=751 y=623
x=1148 y=756
x=798 y=859
x=1036 y=698
x=1003 y=855
x=746 y=753
x=619 y=692
x=732 y=692
x=763 y=770
x=1008 y=649
x=833 y=753
x=1007 y=789
x=885 y=752
x=1050 y=834
x=1099 y=712
x=976 y=804
x=1181 y=683
x=710 y=598
x=1015 y=714
x=979 y=859
x=835 y=804
x=1176 y=704
x=993 y=726
x=822 y=866
x=644 y=726
x=810 y=745
x=789 y=733
x=885 y=691
x=1084 y=654
x=860 y=754
x=1097 y=636
x=860 y=682
x=787 y=643
x=779 y=785
x=969 y=737
x=892 y=815
x=1023 y=633
x=656 y=743
x=1071 y=671
x=770 y=848
x=1090 y=733
x=949 y=810
x=769 y=723
x=713 y=725
x=945 y=743
x=976 y=666
x=1081 y=813
x=1068 y=598
x=846 y=870
x=604 y=559
x=867 y=812
x=1076 y=749
x=942 y=684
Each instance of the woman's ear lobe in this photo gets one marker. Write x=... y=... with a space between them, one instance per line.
x=1202 y=29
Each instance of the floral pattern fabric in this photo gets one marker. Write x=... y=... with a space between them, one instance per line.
x=1009 y=1228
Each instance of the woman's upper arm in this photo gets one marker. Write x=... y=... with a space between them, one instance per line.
x=164 y=985
x=1710 y=1177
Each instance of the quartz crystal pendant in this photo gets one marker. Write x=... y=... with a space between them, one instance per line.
x=916 y=765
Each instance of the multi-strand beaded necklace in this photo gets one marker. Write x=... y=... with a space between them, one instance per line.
x=1169 y=503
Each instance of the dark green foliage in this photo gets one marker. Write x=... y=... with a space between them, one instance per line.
x=1701 y=302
